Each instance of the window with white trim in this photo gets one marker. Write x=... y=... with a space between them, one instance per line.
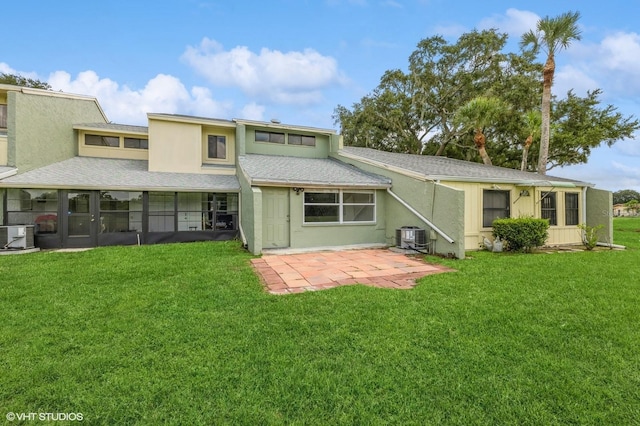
x=340 y=206
x=216 y=147
x=3 y=116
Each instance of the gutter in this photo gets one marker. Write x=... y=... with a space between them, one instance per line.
x=422 y=218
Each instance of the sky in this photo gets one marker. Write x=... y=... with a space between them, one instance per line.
x=297 y=60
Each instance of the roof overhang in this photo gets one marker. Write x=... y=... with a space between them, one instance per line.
x=311 y=184
x=7 y=173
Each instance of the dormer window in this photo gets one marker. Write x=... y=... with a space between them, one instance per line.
x=216 y=147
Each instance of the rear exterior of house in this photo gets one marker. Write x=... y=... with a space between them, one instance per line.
x=81 y=181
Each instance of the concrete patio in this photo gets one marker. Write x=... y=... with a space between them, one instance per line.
x=296 y=273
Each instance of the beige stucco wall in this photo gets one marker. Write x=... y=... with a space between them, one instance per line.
x=598 y=205
x=110 y=152
x=3 y=150
x=181 y=147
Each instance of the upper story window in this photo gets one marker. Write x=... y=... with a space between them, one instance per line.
x=136 y=143
x=216 y=147
x=3 y=116
x=548 y=207
x=302 y=140
x=101 y=140
x=114 y=141
x=269 y=137
x=495 y=205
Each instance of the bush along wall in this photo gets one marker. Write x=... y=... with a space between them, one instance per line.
x=521 y=234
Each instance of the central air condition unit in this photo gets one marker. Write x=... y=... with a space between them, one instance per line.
x=16 y=237
x=411 y=237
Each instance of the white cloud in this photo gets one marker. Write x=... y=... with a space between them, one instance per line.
x=628 y=147
x=163 y=93
x=569 y=77
x=291 y=77
x=253 y=111
x=514 y=22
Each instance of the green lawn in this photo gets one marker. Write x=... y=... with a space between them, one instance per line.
x=184 y=334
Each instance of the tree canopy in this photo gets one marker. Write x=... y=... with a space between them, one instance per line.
x=625 y=195
x=419 y=110
x=18 y=80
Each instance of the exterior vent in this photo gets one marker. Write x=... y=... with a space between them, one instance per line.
x=411 y=237
x=18 y=237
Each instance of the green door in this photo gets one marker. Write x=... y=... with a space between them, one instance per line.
x=275 y=210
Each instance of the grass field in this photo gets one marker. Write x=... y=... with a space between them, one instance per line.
x=185 y=334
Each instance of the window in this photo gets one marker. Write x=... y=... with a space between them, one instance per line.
x=120 y=211
x=162 y=211
x=37 y=207
x=571 y=216
x=495 y=205
x=3 y=116
x=269 y=137
x=136 y=143
x=339 y=207
x=216 y=147
x=548 y=207
x=302 y=140
x=100 y=140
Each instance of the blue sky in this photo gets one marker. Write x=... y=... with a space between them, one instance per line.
x=297 y=60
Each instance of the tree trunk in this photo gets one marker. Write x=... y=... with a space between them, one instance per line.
x=480 y=142
x=547 y=73
x=525 y=152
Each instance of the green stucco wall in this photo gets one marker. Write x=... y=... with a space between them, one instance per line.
x=303 y=236
x=599 y=212
x=321 y=150
x=2 y=207
x=251 y=214
x=40 y=128
x=442 y=205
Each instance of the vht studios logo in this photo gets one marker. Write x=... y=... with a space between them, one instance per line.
x=50 y=417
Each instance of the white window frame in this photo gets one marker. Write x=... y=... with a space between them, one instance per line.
x=341 y=204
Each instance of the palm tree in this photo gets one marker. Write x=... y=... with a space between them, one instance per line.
x=552 y=34
x=477 y=114
x=532 y=122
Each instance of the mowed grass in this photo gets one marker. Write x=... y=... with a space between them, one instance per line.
x=185 y=334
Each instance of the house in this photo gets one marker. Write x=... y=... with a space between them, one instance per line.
x=82 y=181
x=624 y=210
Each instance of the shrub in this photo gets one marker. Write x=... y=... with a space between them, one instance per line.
x=521 y=234
x=589 y=235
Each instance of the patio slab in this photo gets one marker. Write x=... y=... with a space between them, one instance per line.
x=313 y=271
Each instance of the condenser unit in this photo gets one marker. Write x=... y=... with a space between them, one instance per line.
x=411 y=237
x=16 y=237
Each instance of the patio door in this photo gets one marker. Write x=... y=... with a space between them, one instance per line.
x=80 y=227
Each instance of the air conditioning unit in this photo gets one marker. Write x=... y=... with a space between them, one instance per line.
x=411 y=237
x=16 y=237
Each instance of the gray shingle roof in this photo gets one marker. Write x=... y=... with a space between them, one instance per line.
x=282 y=170
x=104 y=173
x=442 y=168
x=6 y=170
x=113 y=127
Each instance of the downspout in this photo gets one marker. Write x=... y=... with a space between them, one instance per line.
x=421 y=217
x=584 y=205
